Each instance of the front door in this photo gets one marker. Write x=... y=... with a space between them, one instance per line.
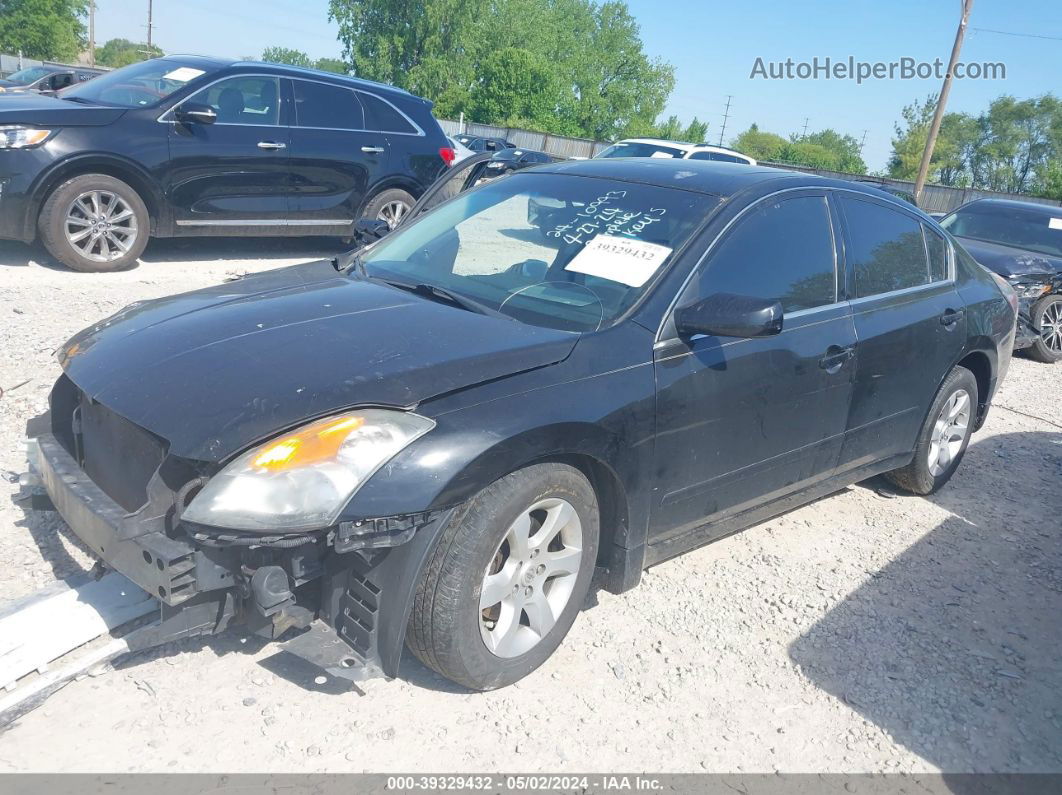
x=744 y=421
x=909 y=320
x=235 y=172
x=335 y=160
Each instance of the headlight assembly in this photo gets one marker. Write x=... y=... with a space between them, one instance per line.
x=19 y=136
x=1027 y=290
x=302 y=480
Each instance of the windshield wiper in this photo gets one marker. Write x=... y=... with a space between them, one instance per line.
x=436 y=293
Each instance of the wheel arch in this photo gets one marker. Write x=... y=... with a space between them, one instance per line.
x=399 y=181
x=980 y=363
x=119 y=168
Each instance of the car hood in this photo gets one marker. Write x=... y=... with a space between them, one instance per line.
x=1008 y=261
x=216 y=370
x=42 y=111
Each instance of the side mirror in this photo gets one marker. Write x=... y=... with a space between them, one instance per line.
x=195 y=113
x=369 y=230
x=729 y=315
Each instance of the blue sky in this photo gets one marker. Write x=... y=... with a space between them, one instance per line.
x=713 y=46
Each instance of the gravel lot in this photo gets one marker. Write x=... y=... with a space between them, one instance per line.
x=865 y=632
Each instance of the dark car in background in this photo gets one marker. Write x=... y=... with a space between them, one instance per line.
x=479 y=143
x=47 y=78
x=186 y=145
x=509 y=160
x=439 y=443
x=1022 y=242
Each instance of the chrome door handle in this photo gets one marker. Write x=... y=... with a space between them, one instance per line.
x=271 y=145
x=375 y=149
x=835 y=358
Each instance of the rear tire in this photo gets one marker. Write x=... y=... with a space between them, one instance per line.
x=944 y=436
x=490 y=608
x=94 y=223
x=1047 y=319
x=390 y=205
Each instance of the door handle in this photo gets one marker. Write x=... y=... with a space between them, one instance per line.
x=951 y=317
x=271 y=145
x=835 y=357
x=373 y=149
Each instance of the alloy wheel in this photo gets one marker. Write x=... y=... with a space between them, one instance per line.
x=1051 y=327
x=531 y=577
x=393 y=213
x=100 y=225
x=949 y=432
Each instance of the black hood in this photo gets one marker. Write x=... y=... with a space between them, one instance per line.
x=1009 y=261
x=45 y=111
x=216 y=370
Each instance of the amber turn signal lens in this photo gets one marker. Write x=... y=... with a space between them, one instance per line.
x=319 y=441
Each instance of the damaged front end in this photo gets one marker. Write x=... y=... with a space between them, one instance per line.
x=128 y=499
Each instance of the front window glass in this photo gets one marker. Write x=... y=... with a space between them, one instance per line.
x=139 y=85
x=243 y=100
x=561 y=251
x=636 y=149
x=780 y=251
x=28 y=75
x=1030 y=229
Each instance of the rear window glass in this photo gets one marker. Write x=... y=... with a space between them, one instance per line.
x=887 y=252
x=938 y=257
x=383 y=117
x=639 y=149
x=331 y=107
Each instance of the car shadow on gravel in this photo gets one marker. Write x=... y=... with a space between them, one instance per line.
x=211 y=249
x=954 y=648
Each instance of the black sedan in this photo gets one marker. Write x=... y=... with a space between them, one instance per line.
x=480 y=143
x=509 y=160
x=1022 y=242
x=437 y=444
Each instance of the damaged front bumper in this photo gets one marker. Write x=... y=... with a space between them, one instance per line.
x=357 y=578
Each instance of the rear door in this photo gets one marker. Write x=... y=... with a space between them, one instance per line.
x=232 y=174
x=335 y=159
x=744 y=421
x=909 y=320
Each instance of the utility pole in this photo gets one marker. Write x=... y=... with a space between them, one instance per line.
x=726 y=115
x=150 y=25
x=938 y=115
x=804 y=134
x=862 y=143
x=92 y=32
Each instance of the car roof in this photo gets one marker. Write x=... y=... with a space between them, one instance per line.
x=1013 y=204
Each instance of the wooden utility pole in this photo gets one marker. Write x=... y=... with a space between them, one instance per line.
x=92 y=32
x=938 y=114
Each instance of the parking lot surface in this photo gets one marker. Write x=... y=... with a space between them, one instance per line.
x=868 y=631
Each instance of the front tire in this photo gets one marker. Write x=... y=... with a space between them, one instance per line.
x=1047 y=319
x=944 y=437
x=94 y=223
x=390 y=205
x=507 y=578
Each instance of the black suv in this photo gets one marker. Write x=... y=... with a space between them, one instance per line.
x=186 y=145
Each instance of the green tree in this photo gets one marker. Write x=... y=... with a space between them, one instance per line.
x=759 y=144
x=330 y=65
x=286 y=56
x=44 y=29
x=952 y=153
x=589 y=55
x=696 y=131
x=1019 y=139
x=844 y=150
x=122 y=52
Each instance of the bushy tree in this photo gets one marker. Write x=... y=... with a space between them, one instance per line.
x=843 y=149
x=287 y=56
x=44 y=29
x=759 y=144
x=122 y=52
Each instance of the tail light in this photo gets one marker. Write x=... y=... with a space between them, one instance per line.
x=448 y=155
x=1007 y=290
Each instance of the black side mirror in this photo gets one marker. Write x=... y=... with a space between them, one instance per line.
x=729 y=315
x=369 y=230
x=195 y=113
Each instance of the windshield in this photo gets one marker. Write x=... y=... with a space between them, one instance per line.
x=28 y=75
x=561 y=251
x=1018 y=227
x=636 y=149
x=138 y=85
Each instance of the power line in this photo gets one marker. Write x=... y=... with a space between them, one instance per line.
x=1023 y=35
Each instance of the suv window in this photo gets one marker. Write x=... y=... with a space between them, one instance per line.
x=323 y=105
x=938 y=257
x=243 y=100
x=781 y=250
x=887 y=252
x=382 y=117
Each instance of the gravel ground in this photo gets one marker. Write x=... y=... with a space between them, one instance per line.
x=865 y=632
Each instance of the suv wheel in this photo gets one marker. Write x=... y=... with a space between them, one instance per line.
x=944 y=436
x=94 y=223
x=390 y=205
x=1047 y=317
x=508 y=577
